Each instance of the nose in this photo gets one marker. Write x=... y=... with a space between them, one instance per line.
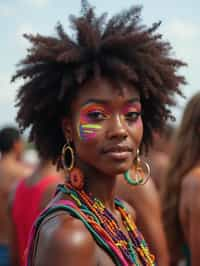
x=116 y=128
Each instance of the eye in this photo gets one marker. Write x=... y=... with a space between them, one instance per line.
x=97 y=116
x=132 y=116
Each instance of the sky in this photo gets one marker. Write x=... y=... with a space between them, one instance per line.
x=180 y=26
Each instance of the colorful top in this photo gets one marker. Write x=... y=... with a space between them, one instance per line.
x=124 y=251
x=27 y=207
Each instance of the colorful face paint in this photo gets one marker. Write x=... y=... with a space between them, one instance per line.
x=89 y=121
x=132 y=111
x=92 y=114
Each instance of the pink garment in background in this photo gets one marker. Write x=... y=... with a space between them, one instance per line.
x=26 y=208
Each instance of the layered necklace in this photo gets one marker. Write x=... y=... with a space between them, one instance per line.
x=125 y=250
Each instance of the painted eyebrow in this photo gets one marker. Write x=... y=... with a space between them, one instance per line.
x=104 y=102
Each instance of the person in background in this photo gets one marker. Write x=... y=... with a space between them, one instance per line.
x=146 y=202
x=29 y=198
x=158 y=155
x=181 y=191
x=12 y=169
x=92 y=102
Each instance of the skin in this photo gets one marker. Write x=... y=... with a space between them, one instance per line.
x=189 y=212
x=159 y=158
x=45 y=168
x=146 y=202
x=62 y=237
x=11 y=171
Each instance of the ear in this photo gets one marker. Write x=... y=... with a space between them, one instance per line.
x=67 y=128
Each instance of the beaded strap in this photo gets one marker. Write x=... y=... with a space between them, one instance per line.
x=93 y=223
x=71 y=208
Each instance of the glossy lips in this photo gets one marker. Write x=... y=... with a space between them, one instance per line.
x=118 y=152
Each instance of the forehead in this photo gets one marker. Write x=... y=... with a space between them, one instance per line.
x=104 y=89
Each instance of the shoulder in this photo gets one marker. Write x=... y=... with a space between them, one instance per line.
x=190 y=189
x=191 y=182
x=61 y=238
x=144 y=195
x=22 y=170
x=66 y=230
x=17 y=170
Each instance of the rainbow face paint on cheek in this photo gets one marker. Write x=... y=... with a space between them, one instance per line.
x=87 y=126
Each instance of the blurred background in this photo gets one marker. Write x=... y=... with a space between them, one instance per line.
x=180 y=25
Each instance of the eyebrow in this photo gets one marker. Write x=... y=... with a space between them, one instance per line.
x=104 y=102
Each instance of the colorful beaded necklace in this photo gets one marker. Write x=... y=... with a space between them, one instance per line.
x=126 y=251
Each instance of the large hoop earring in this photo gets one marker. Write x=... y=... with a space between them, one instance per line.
x=140 y=178
x=76 y=177
x=67 y=157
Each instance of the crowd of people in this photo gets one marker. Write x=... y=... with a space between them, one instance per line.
x=115 y=183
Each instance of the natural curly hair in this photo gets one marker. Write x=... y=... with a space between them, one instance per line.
x=56 y=68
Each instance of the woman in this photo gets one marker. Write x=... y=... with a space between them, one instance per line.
x=91 y=96
x=182 y=189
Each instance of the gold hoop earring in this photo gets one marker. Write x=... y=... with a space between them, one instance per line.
x=76 y=177
x=67 y=157
x=139 y=172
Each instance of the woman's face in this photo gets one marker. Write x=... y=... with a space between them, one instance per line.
x=106 y=126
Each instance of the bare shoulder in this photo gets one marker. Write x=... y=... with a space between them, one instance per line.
x=64 y=240
x=146 y=193
x=22 y=170
x=190 y=189
x=191 y=182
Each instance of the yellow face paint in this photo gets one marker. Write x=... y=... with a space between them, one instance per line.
x=88 y=121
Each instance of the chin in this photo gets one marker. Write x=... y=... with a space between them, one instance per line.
x=117 y=170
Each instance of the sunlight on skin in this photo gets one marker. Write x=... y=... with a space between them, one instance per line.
x=92 y=114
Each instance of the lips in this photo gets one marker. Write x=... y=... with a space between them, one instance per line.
x=118 y=152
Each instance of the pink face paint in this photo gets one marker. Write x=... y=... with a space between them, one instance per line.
x=132 y=113
x=131 y=107
x=90 y=116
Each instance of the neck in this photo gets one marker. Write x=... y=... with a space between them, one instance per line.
x=99 y=185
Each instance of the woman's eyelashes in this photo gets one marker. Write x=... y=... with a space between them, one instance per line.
x=132 y=112
x=97 y=116
x=95 y=113
x=132 y=116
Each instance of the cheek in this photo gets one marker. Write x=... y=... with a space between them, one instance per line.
x=87 y=146
x=86 y=129
x=88 y=132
